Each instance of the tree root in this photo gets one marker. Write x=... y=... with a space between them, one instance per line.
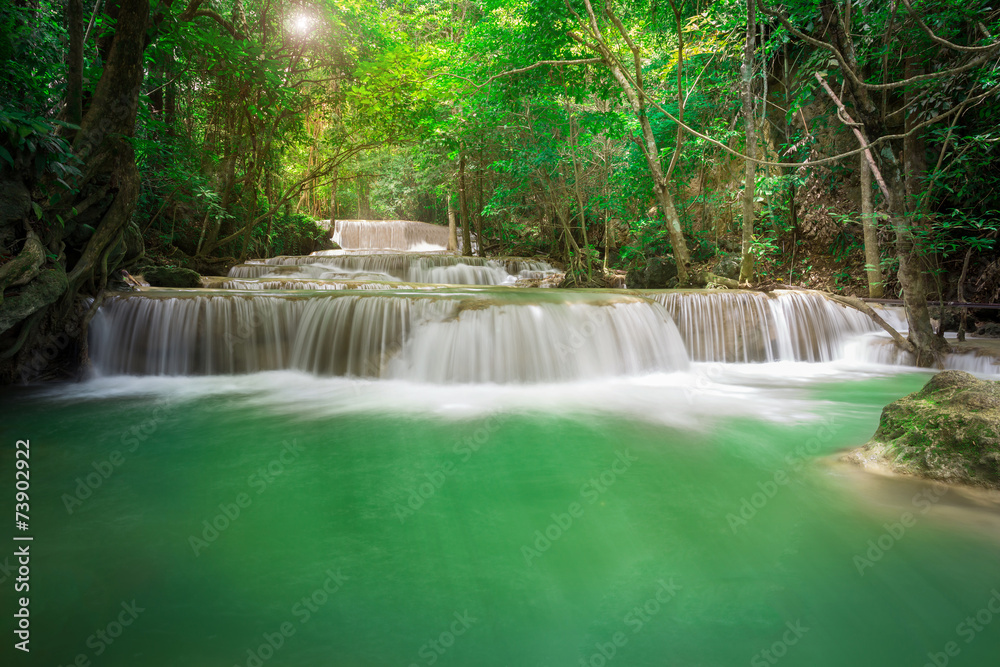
x=702 y=278
x=22 y=269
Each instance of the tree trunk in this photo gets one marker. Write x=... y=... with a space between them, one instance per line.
x=928 y=346
x=464 y=203
x=479 y=207
x=746 y=264
x=637 y=101
x=666 y=201
x=452 y=231
x=74 y=75
x=911 y=278
x=873 y=267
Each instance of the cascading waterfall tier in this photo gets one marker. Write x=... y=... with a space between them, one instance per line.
x=276 y=283
x=742 y=327
x=543 y=342
x=877 y=349
x=402 y=235
x=441 y=337
x=410 y=268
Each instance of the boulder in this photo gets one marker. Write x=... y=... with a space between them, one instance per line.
x=948 y=431
x=659 y=272
x=727 y=266
x=171 y=276
x=635 y=278
x=988 y=330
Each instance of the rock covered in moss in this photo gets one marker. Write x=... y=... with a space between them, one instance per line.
x=948 y=431
x=171 y=276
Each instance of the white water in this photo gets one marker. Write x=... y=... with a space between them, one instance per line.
x=546 y=342
x=456 y=338
x=401 y=235
x=482 y=336
x=743 y=327
x=410 y=268
x=290 y=283
x=880 y=350
x=694 y=399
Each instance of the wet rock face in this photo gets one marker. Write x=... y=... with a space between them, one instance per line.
x=949 y=431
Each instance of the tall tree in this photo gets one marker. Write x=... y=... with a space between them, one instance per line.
x=839 y=42
x=591 y=34
x=749 y=121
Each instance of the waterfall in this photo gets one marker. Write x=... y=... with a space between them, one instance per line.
x=362 y=311
x=543 y=342
x=741 y=327
x=266 y=284
x=403 y=235
x=880 y=349
x=204 y=335
x=454 y=337
x=428 y=269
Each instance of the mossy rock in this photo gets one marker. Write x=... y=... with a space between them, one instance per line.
x=326 y=244
x=948 y=431
x=171 y=276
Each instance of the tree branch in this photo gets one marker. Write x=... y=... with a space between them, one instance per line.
x=849 y=72
x=208 y=13
x=857 y=133
x=944 y=42
x=521 y=70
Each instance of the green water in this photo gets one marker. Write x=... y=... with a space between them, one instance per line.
x=457 y=575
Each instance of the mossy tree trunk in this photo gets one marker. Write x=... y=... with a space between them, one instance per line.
x=48 y=306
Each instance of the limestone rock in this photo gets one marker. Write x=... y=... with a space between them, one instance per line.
x=948 y=431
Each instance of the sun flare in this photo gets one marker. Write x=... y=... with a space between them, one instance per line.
x=302 y=23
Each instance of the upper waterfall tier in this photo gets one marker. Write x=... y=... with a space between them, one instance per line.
x=440 y=269
x=403 y=235
x=736 y=326
x=446 y=336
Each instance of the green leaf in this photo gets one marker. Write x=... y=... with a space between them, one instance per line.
x=37 y=209
x=6 y=156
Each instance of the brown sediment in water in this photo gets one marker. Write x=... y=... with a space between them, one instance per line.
x=974 y=508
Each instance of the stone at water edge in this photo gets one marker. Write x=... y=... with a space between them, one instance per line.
x=948 y=431
x=327 y=244
x=659 y=273
x=170 y=276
